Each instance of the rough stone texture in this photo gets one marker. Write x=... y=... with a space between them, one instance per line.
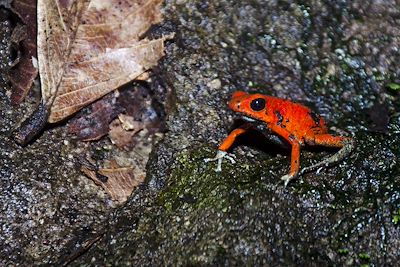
x=334 y=56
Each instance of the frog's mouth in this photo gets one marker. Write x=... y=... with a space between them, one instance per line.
x=248 y=119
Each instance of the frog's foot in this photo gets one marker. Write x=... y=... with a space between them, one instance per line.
x=219 y=157
x=287 y=178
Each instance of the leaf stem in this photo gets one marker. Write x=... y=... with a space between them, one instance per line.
x=32 y=126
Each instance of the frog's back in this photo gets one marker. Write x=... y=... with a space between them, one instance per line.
x=297 y=118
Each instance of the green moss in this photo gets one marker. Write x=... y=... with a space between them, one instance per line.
x=364 y=256
x=343 y=251
x=393 y=86
x=396 y=217
x=195 y=185
x=201 y=207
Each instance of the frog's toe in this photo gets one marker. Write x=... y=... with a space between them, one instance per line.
x=219 y=157
x=287 y=178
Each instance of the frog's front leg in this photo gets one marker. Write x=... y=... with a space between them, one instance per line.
x=226 y=144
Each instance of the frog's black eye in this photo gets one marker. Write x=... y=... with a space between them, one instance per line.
x=257 y=104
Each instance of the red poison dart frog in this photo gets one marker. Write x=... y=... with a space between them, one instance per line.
x=294 y=123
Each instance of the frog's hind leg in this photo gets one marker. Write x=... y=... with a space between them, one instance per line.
x=345 y=144
x=294 y=164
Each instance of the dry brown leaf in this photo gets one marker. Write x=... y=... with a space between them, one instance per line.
x=123 y=129
x=117 y=181
x=141 y=118
x=137 y=108
x=87 y=48
x=92 y=122
x=128 y=123
x=92 y=49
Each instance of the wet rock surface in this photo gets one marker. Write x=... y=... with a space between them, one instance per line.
x=337 y=57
